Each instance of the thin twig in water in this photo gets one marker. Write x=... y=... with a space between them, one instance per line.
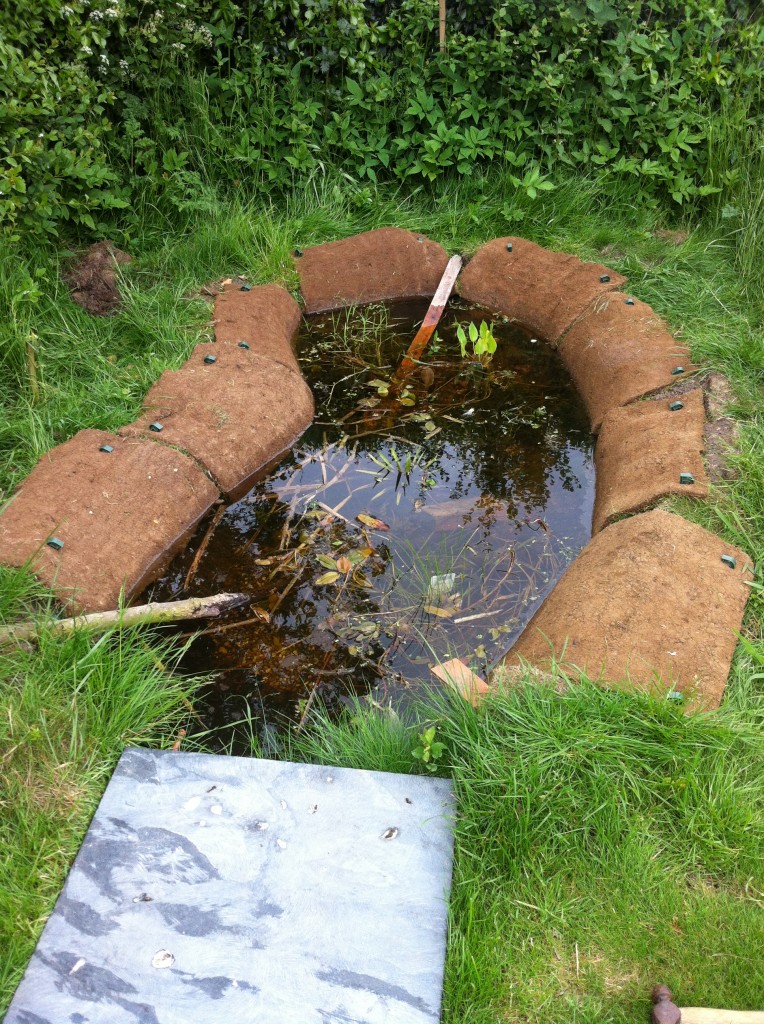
x=203 y=547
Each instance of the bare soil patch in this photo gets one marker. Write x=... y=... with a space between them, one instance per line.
x=92 y=280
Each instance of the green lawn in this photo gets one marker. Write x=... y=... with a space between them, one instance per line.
x=604 y=842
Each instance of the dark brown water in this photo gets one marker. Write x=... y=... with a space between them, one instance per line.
x=482 y=480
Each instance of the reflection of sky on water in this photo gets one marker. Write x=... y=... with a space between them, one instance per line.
x=500 y=496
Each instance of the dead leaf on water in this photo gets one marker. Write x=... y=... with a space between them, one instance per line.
x=371 y=522
x=442 y=613
x=344 y=564
x=327 y=578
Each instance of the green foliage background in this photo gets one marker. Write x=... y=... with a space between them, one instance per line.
x=105 y=103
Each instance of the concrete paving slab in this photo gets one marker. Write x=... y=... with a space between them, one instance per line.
x=376 y=266
x=542 y=290
x=120 y=515
x=222 y=890
x=645 y=452
x=621 y=350
x=234 y=415
x=653 y=602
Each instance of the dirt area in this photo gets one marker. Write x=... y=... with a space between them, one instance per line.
x=92 y=280
x=120 y=515
x=642 y=451
x=619 y=351
x=542 y=290
x=647 y=599
x=265 y=317
x=377 y=266
x=233 y=415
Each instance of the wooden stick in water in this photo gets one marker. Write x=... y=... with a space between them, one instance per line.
x=430 y=322
x=170 y=611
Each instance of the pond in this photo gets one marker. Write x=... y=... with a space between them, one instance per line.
x=405 y=527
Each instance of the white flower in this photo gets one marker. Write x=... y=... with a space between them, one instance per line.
x=87 y=51
x=96 y=15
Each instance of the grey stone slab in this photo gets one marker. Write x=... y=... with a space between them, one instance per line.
x=268 y=889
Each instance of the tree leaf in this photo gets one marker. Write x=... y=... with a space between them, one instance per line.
x=327 y=578
x=344 y=564
x=371 y=522
x=327 y=561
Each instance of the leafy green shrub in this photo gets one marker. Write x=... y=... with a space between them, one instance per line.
x=108 y=99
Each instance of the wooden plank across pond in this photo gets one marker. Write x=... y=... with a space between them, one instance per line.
x=222 y=889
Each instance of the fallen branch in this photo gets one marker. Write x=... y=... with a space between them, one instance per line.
x=170 y=611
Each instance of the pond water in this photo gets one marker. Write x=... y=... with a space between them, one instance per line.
x=402 y=529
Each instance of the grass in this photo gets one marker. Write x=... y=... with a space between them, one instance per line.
x=68 y=707
x=604 y=842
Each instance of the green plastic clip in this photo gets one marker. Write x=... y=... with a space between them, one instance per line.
x=605 y=278
x=298 y=252
x=677 y=370
x=675 y=695
x=509 y=247
x=210 y=359
x=629 y=302
x=686 y=478
x=676 y=406
x=106 y=448
x=246 y=288
x=156 y=427
x=729 y=561
x=243 y=344
x=55 y=542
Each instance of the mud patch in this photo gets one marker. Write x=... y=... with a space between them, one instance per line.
x=619 y=351
x=92 y=281
x=120 y=514
x=644 y=452
x=377 y=266
x=542 y=290
x=265 y=318
x=649 y=603
x=233 y=414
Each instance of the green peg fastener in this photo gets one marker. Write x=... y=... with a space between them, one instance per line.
x=686 y=478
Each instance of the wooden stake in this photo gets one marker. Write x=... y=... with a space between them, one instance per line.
x=442 y=21
x=431 y=320
x=170 y=611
